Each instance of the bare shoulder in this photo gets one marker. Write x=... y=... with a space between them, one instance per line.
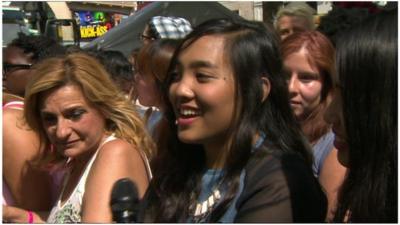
x=118 y=154
x=14 y=119
x=118 y=148
x=14 y=128
x=11 y=115
x=115 y=160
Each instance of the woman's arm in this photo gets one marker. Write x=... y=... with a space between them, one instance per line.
x=331 y=178
x=117 y=159
x=30 y=188
x=17 y=215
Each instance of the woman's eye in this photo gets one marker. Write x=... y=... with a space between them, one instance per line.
x=76 y=114
x=307 y=78
x=203 y=77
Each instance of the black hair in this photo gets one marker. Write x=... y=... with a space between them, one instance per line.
x=253 y=52
x=40 y=47
x=341 y=19
x=117 y=65
x=367 y=68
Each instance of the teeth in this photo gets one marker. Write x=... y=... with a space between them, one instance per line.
x=188 y=112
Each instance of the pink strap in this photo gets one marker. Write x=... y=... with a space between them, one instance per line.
x=14 y=104
x=30 y=217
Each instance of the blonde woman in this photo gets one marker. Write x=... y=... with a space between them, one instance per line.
x=73 y=105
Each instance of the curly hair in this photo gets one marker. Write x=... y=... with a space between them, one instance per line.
x=41 y=47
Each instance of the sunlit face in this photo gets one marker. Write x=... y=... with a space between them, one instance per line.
x=16 y=78
x=288 y=25
x=202 y=93
x=304 y=83
x=72 y=125
x=146 y=90
x=334 y=116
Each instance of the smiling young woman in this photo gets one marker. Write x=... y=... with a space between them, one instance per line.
x=235 y=152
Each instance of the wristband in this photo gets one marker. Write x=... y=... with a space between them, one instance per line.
x=30 y=217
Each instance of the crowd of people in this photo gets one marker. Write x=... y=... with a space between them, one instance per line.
x=227 y=121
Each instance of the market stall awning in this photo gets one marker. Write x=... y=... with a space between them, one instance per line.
x=124 y=37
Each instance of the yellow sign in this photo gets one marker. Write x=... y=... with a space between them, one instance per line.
x=93 y=31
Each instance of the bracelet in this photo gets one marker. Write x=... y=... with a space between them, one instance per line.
x=30 y=217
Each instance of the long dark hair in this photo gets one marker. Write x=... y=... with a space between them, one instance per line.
x=367 y=67
x=253 y=53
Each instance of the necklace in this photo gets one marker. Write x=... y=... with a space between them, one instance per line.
x=203 y=208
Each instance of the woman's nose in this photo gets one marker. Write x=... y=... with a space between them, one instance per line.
x=63 y=129
x=183 y=89
x=293 y=84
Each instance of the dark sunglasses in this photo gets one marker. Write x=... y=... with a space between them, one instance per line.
x=7 y=67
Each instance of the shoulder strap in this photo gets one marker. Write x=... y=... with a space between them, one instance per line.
x=82 y=182
x=14 y=105
x=147 y=164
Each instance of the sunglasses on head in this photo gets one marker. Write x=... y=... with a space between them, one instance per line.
x=7 y=67
x=145 y=37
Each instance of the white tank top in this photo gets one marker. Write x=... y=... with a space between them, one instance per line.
x=70 y=211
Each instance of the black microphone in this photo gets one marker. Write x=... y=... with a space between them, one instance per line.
x=124 y=201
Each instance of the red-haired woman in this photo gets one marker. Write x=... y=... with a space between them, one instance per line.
x=309 y=67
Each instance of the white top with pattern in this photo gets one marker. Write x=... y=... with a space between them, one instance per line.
x=70 y=212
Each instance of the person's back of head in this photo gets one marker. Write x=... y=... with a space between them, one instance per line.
x=38 y=47
x=118 y=67
x=339 y=20
x=294 y=17
x=367 y=61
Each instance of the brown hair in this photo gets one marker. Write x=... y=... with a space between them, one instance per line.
x=321 y=54
x=153 y=61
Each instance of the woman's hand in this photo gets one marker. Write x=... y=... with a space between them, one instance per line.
x=14 y=215
x=17 y=215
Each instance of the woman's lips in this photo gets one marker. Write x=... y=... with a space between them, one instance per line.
x=292 y=102
x=67 y=144
x=185 y=121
